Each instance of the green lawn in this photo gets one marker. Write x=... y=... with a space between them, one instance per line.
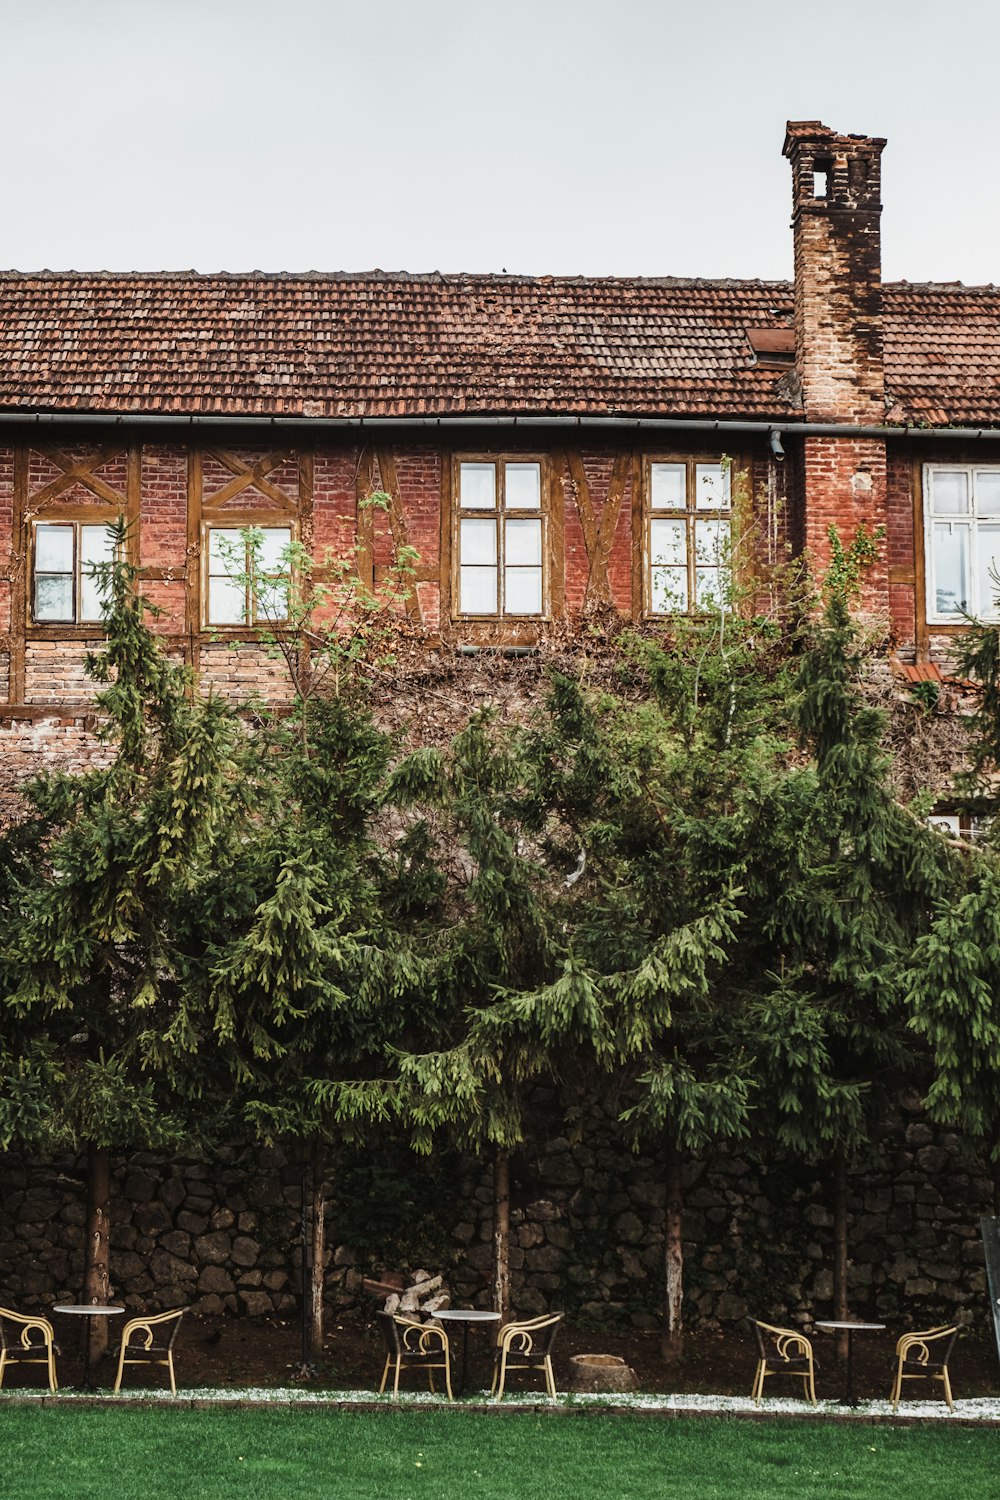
x=152 y=1454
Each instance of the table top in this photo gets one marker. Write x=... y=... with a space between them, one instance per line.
x=466 y=1315
x=853 y=1327
x=88 y=1309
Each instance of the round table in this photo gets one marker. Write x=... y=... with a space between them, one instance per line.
x=88 y=1310
x=464 y=1316
x=849 y=1398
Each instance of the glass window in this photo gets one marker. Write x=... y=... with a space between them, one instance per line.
x=963 y=543
x=66 y=590
x=687 y=553
x=248 y=575
x=500 y=555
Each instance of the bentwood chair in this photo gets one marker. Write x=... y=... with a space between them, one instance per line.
x=782 y=1351
x=27 y=1341
x=414 y=1346
x=914 y=1362
x=150 y=1341
x=526 y=1345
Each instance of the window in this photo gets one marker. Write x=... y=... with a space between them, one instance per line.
x=247 y=575
x=962 y=530
x=500 y=524
x=65 y=590
x=687 y=541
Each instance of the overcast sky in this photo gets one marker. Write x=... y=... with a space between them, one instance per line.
x=541 y=136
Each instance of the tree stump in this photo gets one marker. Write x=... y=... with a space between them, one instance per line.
x=601 y=1372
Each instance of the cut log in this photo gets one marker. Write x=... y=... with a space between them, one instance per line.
x=601 y=1372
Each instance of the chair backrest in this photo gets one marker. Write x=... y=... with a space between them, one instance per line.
x=536 y=1334
x=16 y=1330
x=390 y=1332
x=776 y=1337
x=146 y=1325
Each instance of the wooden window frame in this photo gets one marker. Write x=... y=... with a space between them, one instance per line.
x=74 y=628
x=243 y=521
x=542 y=512
x=690 y=514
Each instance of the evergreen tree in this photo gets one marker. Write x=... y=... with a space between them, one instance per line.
x=101 y=923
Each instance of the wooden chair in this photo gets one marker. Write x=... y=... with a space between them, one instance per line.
x=414 y=1346
x=27 y=1341
x=914 y=1362
x=142 y=1346
x=782 y=1352
x=526 y=1345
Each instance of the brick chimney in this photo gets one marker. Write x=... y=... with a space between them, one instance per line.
x=836 y=212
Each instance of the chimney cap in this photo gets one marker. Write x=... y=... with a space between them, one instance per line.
x=815 y=132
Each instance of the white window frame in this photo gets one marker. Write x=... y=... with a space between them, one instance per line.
x=252 y=619
x=971 y=524
x=500 y=513
x=75 y=572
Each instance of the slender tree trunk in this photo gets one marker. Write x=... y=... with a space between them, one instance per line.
x=97 y=1255
x=840 y=1309
x=317 y=1249
x=672 y=1340
x=501 y=1233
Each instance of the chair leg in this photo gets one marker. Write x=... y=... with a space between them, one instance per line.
x=121 y=1368
x=897 y=1386
x=811 y=1384
x=502 y=1375
x=3 y=1363
x=550 y=1379
x=170 y=1367
x=385 y=1373
x=53 y=1382
x=758 y=1383
x=395 y=1383
x=447 y=1376
x=947 y=1388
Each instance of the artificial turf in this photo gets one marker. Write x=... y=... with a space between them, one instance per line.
x=153 y=1454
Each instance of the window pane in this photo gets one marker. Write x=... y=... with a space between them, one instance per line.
x=226 y=552
x=523 y=486
x=53 y=597
x=988 y=493
x=710 y=586
x=523 y=543
x=270 y=600
x=97 y=544
x=711 y=542
x=92 y=598
x=668 y=542
x=478 y=591
x=523 y=591
x=949 y=492
x=951 y=568
x=478 y=542
x=668 y=486
x=988 y=560
x=54 y=549
x=711 y=487
x=226 y=602
x=670 y=591
x=275 y=540
x=477 y=486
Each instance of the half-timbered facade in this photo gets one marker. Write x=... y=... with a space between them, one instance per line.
x=550 y=446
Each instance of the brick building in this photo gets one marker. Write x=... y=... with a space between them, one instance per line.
x=551 y=445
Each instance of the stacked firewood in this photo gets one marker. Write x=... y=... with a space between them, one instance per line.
x=420 y=1293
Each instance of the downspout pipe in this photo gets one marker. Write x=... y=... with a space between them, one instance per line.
x=775 y=432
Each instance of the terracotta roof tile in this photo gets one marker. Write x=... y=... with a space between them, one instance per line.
x=380 y=344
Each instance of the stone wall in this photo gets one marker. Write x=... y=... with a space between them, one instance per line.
x=586 y=1231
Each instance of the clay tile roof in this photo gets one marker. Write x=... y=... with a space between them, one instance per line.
x=393 y=345
x=386 y=345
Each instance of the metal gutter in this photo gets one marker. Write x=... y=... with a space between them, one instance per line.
x=195 y=421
